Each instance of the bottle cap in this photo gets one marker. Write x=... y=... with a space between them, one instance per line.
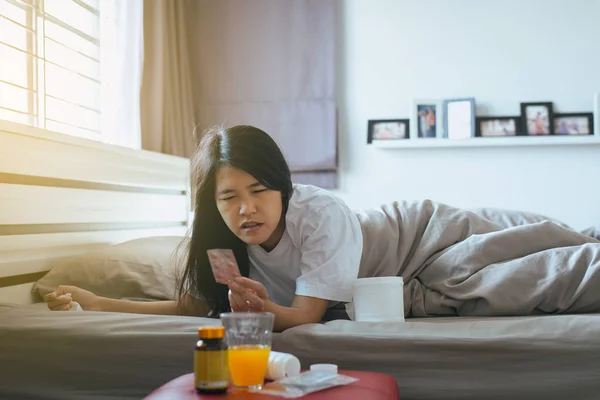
x=211 y=332
x=328 y=368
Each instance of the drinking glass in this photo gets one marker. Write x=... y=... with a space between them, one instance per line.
x=248 y=336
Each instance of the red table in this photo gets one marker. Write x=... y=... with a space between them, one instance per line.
x=370 y=386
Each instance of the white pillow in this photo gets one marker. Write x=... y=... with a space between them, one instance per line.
x=146 y=268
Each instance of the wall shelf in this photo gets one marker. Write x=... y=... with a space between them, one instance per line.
x=515 y=141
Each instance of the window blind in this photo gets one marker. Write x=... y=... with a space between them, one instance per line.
x=50 y=64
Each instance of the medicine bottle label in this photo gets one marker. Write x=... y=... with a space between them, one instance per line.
x=211 y=369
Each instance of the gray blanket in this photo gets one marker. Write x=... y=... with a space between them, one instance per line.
x=468 y=263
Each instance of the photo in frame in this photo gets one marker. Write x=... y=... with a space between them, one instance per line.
x=426 y=117
x=459 y=118
x=574 y=124
x=596 y=113
x=497 y=126
x=388 y=129
x=537 y=118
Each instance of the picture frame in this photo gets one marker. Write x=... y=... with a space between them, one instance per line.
x=459 y=118
x=426 y=115
x=387 y=129
x=569 y=124
x=596 y=113
x=494 y=126
x=537 y=118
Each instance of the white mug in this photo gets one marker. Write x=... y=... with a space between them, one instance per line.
x=379 y=299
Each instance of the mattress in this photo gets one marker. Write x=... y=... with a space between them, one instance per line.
x=535 y=357
x=90 y=355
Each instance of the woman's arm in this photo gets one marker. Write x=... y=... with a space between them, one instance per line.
x=189 y=306
x=249 y=295
x=62 y=299
x=304 y=310
x=167 y=307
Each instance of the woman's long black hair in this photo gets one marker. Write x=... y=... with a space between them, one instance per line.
x=246 y=148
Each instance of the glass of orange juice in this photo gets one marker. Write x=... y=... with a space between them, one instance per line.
x=248 y=336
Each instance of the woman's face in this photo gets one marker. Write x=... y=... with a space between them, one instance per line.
x=251 y=210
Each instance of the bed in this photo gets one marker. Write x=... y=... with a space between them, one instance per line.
x=74 y=211
x=67 y=202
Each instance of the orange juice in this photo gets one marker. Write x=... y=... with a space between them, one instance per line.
x=248 y=364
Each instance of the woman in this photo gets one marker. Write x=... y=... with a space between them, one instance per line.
x=298 y=247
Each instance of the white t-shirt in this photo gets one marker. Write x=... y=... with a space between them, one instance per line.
x=319 y=253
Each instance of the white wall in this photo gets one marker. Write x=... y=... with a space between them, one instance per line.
x=500 y=52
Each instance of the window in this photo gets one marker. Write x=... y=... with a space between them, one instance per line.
x=50 y=64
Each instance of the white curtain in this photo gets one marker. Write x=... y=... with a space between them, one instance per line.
x=121 y=58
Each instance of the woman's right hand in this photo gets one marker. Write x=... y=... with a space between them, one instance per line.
x=247 y=295
x=63 y=297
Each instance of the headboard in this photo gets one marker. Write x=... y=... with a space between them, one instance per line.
x=62 y=195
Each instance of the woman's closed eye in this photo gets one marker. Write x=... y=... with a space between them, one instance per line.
x=257 y=191
x=254 y=191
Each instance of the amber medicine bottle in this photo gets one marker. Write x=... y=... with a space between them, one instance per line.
x=210 y=360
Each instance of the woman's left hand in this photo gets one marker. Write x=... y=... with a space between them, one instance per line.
x=247 y=295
